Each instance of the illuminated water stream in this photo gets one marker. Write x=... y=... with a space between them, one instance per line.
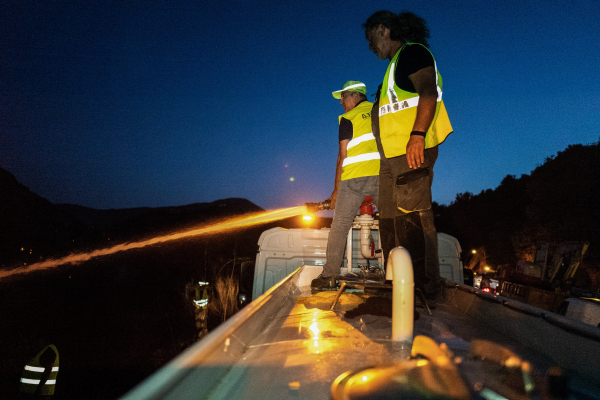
x=233 y=223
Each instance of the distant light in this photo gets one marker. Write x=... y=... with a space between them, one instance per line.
x=365 y=378
x=307 y=219
x=474 y=251
x=292 y=179
x=487 y=268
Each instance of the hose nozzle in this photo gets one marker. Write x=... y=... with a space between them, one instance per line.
x=314 y=207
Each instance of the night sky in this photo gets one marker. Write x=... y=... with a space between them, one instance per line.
x=117 y=104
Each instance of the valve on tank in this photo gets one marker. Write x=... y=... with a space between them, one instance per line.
x=366 y=222
x=367 y=206
x=314 y=207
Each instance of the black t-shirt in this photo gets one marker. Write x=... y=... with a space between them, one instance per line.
x=412 y=58
x=346 y=130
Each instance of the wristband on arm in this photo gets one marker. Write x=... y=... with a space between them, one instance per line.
x=418 y=133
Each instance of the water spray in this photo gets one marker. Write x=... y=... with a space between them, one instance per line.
x=233 y=223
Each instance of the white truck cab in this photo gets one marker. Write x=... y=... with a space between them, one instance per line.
x=281 y=251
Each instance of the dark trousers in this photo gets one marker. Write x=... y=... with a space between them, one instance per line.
x=406 y=217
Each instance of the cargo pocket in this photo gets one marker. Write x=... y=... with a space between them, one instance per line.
x=412 y=191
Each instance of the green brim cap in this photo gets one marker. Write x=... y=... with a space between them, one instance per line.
x=351 y=86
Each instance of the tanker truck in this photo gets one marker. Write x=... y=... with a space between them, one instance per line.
x=359 y=342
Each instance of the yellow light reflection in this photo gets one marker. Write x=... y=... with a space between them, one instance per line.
x=315 y=330
x=591 y=298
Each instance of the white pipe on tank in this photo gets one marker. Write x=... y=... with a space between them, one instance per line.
x=400 y=271
x=365 y=241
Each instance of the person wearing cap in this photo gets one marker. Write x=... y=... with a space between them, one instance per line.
x=409 y=122
x=356 y=175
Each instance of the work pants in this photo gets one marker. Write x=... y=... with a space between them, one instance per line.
x=406 y=217
x=351 y=194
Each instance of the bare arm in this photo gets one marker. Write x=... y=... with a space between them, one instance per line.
x=424 y=82
x=342 y=154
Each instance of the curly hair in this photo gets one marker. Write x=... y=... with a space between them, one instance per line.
x=405 y=26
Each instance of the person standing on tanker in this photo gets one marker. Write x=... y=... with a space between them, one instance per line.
x=409 y=122
x=356 y=175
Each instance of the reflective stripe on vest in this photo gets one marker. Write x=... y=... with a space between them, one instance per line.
x=38 y=369
x=362 y=155
x=33 y=371
x=360 y=158
x=37 y=381
x=364 y=138
x=397 y=113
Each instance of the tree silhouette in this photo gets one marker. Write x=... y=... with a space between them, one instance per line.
x=557 y=202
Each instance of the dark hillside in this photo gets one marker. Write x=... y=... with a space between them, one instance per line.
x=564 y=196
x=33 y=229
x=557 y=202
x=138 y=223
x=31 y=226
x=488 y=219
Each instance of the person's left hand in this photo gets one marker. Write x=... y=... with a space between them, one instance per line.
x=333 y=199
x=415 y=151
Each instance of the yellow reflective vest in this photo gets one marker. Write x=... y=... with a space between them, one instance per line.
x=32 y=374
x=398 y=111
x=362 y=157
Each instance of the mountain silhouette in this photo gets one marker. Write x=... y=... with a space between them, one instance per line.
x=31 y=227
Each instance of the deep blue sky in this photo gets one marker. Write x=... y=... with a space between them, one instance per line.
x=114 y=104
